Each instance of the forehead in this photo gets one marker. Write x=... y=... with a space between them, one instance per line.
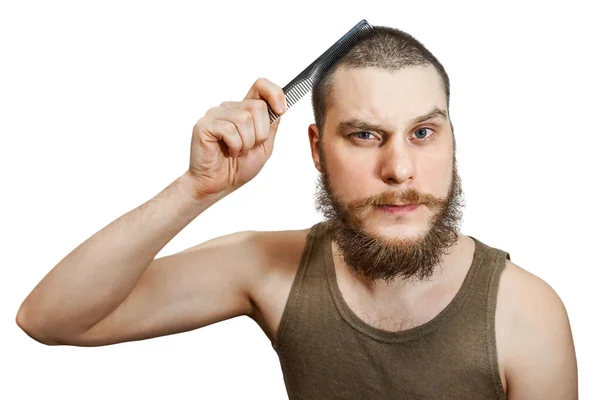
x=375 y=94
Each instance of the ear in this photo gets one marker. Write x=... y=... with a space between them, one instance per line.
x=313 y=137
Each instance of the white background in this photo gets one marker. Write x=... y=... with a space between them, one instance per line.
x=97 y=104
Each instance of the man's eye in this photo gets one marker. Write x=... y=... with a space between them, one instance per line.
x=421 y=133
x=363 y=135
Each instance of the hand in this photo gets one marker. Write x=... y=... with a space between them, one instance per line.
x=233 y=141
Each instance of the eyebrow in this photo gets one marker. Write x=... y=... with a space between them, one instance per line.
x=358 y=124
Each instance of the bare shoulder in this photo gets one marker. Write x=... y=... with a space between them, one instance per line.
x=281 y=248
x=534 y=339
x=281 y=254
x=524 y=293
x=524 y=299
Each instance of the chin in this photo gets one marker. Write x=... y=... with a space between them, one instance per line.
x=395 y=230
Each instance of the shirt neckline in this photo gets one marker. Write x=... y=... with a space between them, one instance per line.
x=404 y=335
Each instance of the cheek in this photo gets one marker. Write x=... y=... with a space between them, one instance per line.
x=437 y=173
x=350 y=177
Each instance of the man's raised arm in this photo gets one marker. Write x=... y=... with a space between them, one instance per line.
x=110 y=288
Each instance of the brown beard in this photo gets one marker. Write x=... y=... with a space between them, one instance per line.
x=380 y=259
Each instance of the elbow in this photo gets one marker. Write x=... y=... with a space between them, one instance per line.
x=24 y=321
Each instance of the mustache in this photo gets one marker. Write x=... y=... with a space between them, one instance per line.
x=411 y=196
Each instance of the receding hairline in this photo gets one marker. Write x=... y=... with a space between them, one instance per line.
x=328 y=80
x=327 y=88
x=384 y=48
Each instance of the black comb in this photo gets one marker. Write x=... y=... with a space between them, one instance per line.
x=303 y=83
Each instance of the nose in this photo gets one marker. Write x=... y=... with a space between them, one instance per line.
x=397 y=164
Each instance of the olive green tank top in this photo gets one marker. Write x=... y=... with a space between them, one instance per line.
x=327 y=352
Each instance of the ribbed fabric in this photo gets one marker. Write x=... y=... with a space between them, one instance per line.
x=327 y=352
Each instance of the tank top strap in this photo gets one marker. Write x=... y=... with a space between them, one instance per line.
x=309 y=283
x=479 y=310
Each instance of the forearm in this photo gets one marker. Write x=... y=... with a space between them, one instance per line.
x=91 y=281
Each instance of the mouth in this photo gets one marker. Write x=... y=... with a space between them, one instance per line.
x=398 y=208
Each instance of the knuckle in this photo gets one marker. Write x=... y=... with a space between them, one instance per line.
x=200 y=122
x=235 y=133
x=224 y=127
x=211 y=110
x=261 y=81
x=259 y=106
x=231 y=129
x=255 y=106
x=203 y=124
x=244 y=117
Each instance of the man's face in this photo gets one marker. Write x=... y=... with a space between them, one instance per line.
x=374 y=152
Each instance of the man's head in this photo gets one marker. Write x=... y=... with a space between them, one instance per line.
x=383 y=136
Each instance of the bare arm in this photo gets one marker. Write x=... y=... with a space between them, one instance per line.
x=90 y=282
x=109 y=289
x=541 y=360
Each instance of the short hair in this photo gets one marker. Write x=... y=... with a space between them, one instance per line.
x=383 y=47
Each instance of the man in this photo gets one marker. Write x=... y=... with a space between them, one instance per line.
x=384 y=299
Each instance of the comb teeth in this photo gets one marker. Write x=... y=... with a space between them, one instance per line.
x=303 y=83
x=293 y=93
